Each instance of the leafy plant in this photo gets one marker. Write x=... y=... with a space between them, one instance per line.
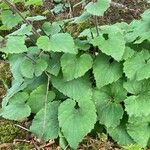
x=70 y=83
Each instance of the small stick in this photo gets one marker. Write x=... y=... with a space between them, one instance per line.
x=15 y=10
x=17 y=125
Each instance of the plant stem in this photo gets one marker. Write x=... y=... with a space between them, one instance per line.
x=96 y=25
x=15 y=10
x=45 y=105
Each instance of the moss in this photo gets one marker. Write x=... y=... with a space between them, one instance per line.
x=5 y=77
x=8 y=131
x=76 y=29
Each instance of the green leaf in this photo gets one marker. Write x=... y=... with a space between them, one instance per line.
x=46 y=126
x=15 y=60
x=54 y=65
x=40 y=66
x=15 y=44
x=9 y=19
x=137 y=87
x=140 y=133
x=109 y=112
x=19 y=98
x=111 y=41
x=120 y=135
x=106 y=72
x=15 y=87
x=98 y=8
x=74 y=66
x=51 y=29
x=16 y=111
x=60 y=42
x=138 y=105
x=27 y=68
x=78 y=89
x=138 y=66
x=37 y=98
x=129 y=52
x=43 y=42
x=76 y=122
x=24 y=30
x=33 y=2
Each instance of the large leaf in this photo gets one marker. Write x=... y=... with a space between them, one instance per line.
x=109 y=112
x=98 y=8
x=138 y=66
x=138 y=105
x=106 y=72
x=60 y=42
x=78 y=89
x=45 y=123
x=140 y=133
x=111 y=42
x=76 y=122
x=74 y=66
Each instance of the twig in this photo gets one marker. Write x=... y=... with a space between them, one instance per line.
x=29 y=58
x=48 y=145
x=6 y=145
x=122 y=6
x=17 y=125
x=45 y=106
x=96 y=25
x=15 y=10
x=20 y=140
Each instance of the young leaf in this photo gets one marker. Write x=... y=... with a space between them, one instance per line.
x=46 y=128
x=54 y=65
x=76 y=122
x=9 y=19
x=98 y=8
x=51 y=29
x=37 y=98
x=27 y=68
x=74 y=66
x=40 y=66
x=78 y=89
x=106 y=72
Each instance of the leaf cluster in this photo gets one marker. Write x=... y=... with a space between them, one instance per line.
x=70 y=84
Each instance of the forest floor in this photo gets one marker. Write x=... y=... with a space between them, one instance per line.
x=14 y=136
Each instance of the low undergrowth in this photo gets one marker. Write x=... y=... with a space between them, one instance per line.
x=69 y=85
